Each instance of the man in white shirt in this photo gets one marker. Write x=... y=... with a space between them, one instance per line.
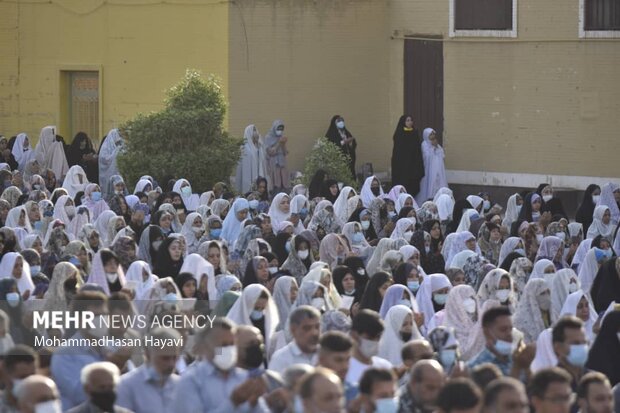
x=150 y=388
x=366 y=331
x=305 y=325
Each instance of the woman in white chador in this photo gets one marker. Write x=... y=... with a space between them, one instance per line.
x=253 y=160
x=110 y=149
x=50 y=153
x=434 y=167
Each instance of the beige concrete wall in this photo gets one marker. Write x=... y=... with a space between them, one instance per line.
x=304 y=61
x=141 y=49
x=544 y=103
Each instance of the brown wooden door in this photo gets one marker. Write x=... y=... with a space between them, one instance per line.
x=424 y=84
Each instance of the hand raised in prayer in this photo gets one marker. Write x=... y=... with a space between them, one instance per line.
x=524 y=355
x=545 y=219
x=459 y=370
x=419 y=319
x=259 y=389
x=283 y=140
x=278 y=399
x=360 y=404
x=26 y=295
x=244 y=392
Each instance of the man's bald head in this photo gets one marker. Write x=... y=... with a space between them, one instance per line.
x=250 y=347
x=36 y=389
x=247 y=334
x=416 y=350
x=424 y=367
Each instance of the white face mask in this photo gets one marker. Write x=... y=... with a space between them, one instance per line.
x=596 y=198
x=50 y=406
x=369 y=348
x=361 y=271
x=572 y=287
x=340 y=124
x=469 y=305
x=225 y=357
x=35 y=269
x=273 y=270
x=502 y=295
x=279 y=132
x=111 y=277
x=365 y=225
x=539 y=238
x=303 y=254
x=70 y=210
x=197 y=231
x=408 y=235
x=318 y=303
x=547 y=198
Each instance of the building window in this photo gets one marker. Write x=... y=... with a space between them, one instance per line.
x=483 y=18
x=599 y=18
x=81 y=104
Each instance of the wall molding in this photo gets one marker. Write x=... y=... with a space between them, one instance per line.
x=524 y=180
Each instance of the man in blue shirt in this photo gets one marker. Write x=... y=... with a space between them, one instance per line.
x=215 y=384
x=499 y=350
x=68 y=361
x=151 y=387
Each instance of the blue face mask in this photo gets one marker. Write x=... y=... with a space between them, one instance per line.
x=38 y=226
x=35 y=269
x=303 y=213
x=413 y=285
x=95 y=196
x=256 y=315
x=440 y=299
x=386 y=406
x=253 y=204
x=578 y=355
x=520 y=251
x=404 y=302
x=287 y=246
x=358 y=238
x=447 y=358
x=503 y=347
x=215 y=233
x=170 y=298
x=12 y=299
x=186 y=191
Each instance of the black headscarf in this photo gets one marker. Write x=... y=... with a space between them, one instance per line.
x=606 y=286
x=526 y=210
x=333 y=134
x=164 y=266
x=457 y=213
x=586 y=208
x=507 y=263
x=604 y=356
x=279 y=246
x=554 y=205
x=372 y=298
x=407 y=163
x=338 y=275
x=356 y=264
x=402 y=273
x=182 y=279
x=316 y=184
x=326 y=193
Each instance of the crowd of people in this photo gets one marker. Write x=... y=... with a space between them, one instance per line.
x=324 y=298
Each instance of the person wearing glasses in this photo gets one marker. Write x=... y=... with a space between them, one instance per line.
x=550 y=391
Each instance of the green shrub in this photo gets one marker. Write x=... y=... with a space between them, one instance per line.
x=328 y=157
x=184 y=140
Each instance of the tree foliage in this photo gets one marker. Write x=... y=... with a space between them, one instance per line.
x=186 y=139
x=328 y=157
